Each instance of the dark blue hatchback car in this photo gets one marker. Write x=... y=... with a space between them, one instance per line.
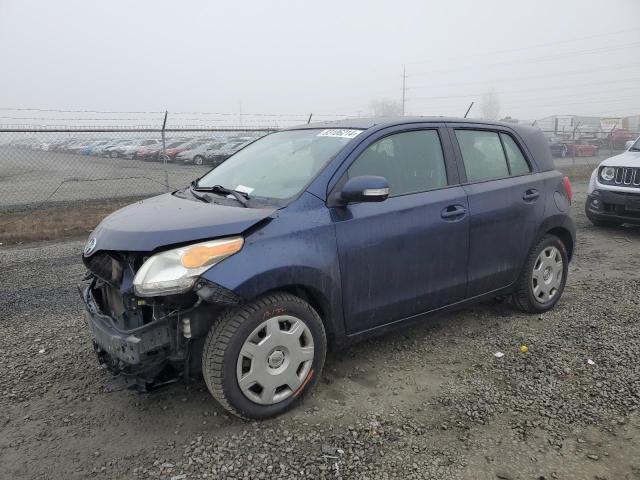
x=314 y=236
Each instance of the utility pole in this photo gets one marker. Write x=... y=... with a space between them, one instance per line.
x=404 y=86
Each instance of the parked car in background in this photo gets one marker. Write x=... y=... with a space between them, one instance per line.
x=151 y=153
x=189 y=145
x=619 y=137
x=61 y=145
x=319 y=235
x=112 y=150
x=557 y=146
x=580 y=148
x=613 y=195
x=129 y=150
x=89 y=148
x=77 y=146
x=200 y=153
x=216 y=157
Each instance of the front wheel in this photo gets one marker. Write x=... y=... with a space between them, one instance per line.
x=198 y=160
x=261 y=358
x=543 y=277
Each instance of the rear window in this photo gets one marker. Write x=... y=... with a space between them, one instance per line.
x=517 y=163
x=488 y=155
x=482 y=155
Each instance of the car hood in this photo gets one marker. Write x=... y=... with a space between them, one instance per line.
x=168 y=220
x=626 y=159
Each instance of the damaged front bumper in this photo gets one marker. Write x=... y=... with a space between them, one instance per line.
x=132 y=347
x=163 y=349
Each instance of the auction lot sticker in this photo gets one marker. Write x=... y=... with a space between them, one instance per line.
x=340 y=133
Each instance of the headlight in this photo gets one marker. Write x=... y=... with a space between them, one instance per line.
x=607 y=174
x=175 y=271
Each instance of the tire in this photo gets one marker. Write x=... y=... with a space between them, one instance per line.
x=238 y=332
x=198 y=160
x=538 y=289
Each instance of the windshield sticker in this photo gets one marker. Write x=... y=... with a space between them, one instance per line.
x=243 y=189
x=340 y=133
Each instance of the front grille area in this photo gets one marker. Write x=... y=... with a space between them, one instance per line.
x=105 y=267
x=627 y=176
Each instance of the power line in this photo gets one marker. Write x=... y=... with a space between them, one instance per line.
x=517 y=92
x=497 y=52
x=529 y=77
x=531 y=60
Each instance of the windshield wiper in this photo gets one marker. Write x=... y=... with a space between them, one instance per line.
x=634 y=149
x=241 y=197
x=202 y=198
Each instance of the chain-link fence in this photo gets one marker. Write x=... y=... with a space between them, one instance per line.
x=63 y=181
x=69 y=166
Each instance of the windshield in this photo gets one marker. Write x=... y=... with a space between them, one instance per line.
x=636 y=146
x=279 y=165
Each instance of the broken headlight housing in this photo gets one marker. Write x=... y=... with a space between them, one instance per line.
x=175 y=271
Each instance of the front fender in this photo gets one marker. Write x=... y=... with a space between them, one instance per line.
x=296 y=249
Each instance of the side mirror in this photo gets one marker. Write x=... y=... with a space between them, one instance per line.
x=366 y=188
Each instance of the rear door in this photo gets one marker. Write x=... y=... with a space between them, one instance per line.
x=506 y=203
x=407 y=254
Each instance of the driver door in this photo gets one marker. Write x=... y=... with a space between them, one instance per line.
x=408 y=254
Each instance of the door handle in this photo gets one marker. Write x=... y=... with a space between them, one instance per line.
x=531 y=195
x=453 y=212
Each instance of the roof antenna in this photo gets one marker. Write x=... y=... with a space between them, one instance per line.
x=468 y=110
x=309 y=121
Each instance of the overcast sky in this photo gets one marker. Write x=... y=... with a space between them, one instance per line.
x=330 y=57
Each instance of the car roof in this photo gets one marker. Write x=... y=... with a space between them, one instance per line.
x=381 y=122
x=533 y=137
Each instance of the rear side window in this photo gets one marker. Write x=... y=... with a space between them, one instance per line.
x=482 y=154
x=517 y=163
x=410 y=161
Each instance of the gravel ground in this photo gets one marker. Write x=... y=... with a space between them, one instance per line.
x=431 y=401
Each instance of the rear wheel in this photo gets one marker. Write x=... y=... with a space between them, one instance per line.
x=543 y=277
x=261 y=358
x=198 y=160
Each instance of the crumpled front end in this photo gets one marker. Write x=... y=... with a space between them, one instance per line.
x=147 y=341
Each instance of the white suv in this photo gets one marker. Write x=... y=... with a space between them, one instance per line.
x=613 y=197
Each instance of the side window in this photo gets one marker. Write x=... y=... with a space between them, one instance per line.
x=410 y=161
x=517 y=163
x=482 y=154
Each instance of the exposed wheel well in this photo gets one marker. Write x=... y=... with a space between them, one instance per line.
x=564 y=235
x=318 y=302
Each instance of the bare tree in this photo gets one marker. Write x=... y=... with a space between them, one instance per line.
x=490 y=105
x=386 y=107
